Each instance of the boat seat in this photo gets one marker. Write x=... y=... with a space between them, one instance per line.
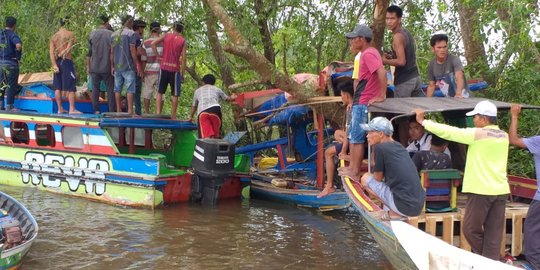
x=441 y=189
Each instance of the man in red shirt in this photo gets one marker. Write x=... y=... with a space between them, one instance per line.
x=172 y=67
x=371 y=88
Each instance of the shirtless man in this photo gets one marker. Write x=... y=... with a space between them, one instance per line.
x=64 y=79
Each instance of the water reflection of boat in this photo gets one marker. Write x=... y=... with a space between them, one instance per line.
x=112 y=158
x=16 y=220
x=433 y=240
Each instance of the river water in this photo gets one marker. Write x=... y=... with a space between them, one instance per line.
x=76 y=233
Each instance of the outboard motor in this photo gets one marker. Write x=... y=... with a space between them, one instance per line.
x=213 y=161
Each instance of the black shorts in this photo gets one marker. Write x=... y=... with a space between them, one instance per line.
x=172 y=78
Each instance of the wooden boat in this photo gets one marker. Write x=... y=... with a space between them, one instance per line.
x=113 y=158
x=300 y=180
x=11 y=257
x=431 y=241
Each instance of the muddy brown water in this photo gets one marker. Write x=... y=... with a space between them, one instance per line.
x=76 y=233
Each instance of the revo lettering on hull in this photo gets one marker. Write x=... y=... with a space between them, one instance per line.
x=50 y=170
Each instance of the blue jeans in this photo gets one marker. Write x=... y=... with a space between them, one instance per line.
x=9 y=75
x=359 y=116
x=127 y=77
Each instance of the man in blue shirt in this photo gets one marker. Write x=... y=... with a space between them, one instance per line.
x=10 y=55
x=531 y=228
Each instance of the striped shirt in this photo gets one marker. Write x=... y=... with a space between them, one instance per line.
x=207 y=96
x=152 y=64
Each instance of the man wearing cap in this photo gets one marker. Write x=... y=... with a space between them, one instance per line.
x=126 y=65
x=151 y=68
x=64 y=79
x=98 y=63
x=172 y=66
x=445 y=70
x=484 y=177
x=406 y=76
x=138 y=28
x=371 y=88
x=10 y=57
x=531 y=228
x=401 y=191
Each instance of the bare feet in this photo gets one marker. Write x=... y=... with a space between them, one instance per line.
x=327 y=190
x=74 y=112
x=62 y=111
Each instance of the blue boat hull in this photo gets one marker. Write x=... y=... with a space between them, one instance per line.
x=301 y=197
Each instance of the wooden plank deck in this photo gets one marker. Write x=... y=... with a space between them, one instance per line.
x=444 y=226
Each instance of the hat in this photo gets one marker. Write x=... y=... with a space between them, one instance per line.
x=484 y=107
x=361 y=30
x=155 y=27
x=379 y=124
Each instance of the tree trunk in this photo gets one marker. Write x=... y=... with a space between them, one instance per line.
x=472 y=40
x=258 y=62
x=217 y=50
x=262 y=22
x=379 y=23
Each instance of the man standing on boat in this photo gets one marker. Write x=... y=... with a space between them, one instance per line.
x=371 y=88
x=64 y=79
x=172 y=67
x=484 y=177
x=406 y=76
x=401 y=190
x=531 y=229
x=138 y=28
x=126 y=64
x=10 y=57
x=151 y=68
x=445 y=70
x=98 y=63
x=206 y=103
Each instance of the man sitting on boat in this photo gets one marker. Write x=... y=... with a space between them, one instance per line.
x=531 y=228
x=206 y=102
x=401 y=191
x=484 y=178
x=340 y=148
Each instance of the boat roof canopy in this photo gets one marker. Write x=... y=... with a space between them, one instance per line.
x=405 y=106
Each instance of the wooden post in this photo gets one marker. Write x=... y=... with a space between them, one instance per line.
x=463 y=244
x=413 y=221
x=517 y=234
x=503 y=242
x=320 y=150
x=448 y=230
x=431 y=225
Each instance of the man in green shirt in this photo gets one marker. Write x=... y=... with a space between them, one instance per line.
x=484 y=177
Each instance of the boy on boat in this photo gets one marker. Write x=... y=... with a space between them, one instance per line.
x=401 y=191
x=484 y=178
x=531 y=229
x=64 y=79
x=419 y=139
x=126 y=64
x=151 y=69
x=371 y=88
x=206 y=103
x=172 y=66
x=435 y=158
x=341 y=147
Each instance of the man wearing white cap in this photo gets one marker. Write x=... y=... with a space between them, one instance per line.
x=401 y=191
x=484 y=178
